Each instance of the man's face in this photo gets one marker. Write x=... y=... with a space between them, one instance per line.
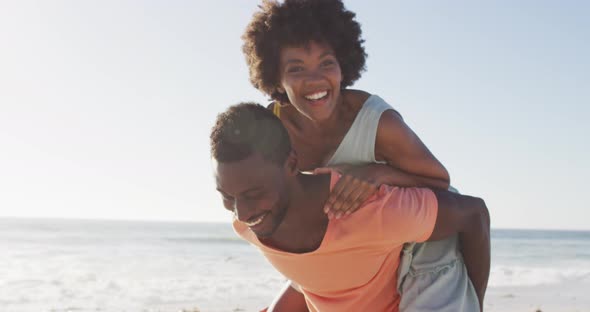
x=255 y=190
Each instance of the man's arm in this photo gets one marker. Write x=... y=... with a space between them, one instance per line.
x=469 y=217
x=289 y=300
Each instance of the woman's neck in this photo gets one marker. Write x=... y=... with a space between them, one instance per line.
x=336 y=123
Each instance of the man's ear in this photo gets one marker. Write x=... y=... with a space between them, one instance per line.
x=291 y=163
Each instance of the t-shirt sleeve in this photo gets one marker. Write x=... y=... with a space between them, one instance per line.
x=407 y=214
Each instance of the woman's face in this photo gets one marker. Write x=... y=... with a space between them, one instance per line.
x=310 y=75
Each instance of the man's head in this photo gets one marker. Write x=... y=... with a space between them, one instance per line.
x=253 y=165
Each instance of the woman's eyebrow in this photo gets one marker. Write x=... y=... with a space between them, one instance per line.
x=326 y=54
x=294 y=61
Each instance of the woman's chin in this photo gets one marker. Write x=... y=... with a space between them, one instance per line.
x=320 y=112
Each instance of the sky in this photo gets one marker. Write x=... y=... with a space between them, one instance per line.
x=106 y=106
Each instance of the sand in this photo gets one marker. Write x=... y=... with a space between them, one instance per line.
x=540 y=298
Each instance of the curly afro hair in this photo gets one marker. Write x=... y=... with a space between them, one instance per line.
x=296 y=23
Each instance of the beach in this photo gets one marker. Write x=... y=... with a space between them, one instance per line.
x=73 y=265
x=558 y=297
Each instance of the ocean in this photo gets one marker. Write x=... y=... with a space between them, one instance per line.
x=83 y=265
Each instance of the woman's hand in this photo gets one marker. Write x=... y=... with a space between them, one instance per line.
x=356 y=185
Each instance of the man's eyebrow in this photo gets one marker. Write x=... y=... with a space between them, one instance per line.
x=250 y=190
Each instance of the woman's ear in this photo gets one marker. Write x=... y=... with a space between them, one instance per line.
x=280 y=90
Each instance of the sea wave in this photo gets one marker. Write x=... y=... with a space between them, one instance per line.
x=530 y=276
x=205 y=240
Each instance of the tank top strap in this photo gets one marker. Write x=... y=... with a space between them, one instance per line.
x=276 y=109
x=358 y=145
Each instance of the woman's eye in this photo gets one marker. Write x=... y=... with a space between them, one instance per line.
x=294 y=69
x=328 y=63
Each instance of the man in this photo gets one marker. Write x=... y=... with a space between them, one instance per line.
x=347 y=264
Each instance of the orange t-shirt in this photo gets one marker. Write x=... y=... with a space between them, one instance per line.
x=355 y=266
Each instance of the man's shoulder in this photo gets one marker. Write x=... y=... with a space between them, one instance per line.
x=405 y=194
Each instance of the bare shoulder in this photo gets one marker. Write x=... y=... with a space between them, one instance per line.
x=392 y=135
x=355 y=98
x=390 y=122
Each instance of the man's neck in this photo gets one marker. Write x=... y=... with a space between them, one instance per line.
x=305 y=223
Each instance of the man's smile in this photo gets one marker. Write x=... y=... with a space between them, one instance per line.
x=254 y=221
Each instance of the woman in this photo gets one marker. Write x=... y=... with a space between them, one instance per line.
x=304 y=54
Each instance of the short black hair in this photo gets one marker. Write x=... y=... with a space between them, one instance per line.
x=296 y=23
x=247 y=128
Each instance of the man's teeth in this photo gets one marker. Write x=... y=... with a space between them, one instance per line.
x=257 y=221
x=317 y=96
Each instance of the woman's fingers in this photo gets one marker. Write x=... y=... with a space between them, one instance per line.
x=347 y=196
x=363 y=192
x=350 y=203
x=349 y=193
x=369 y=191
x=338 y=191
x=342 y=169
x=323 y=170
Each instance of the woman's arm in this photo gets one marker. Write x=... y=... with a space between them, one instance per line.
x=409 y=164
x=402 y=149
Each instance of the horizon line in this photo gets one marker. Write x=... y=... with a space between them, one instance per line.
x=226 y=222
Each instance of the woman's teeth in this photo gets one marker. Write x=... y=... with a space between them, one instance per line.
x=316 y=96
x=257 y=221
